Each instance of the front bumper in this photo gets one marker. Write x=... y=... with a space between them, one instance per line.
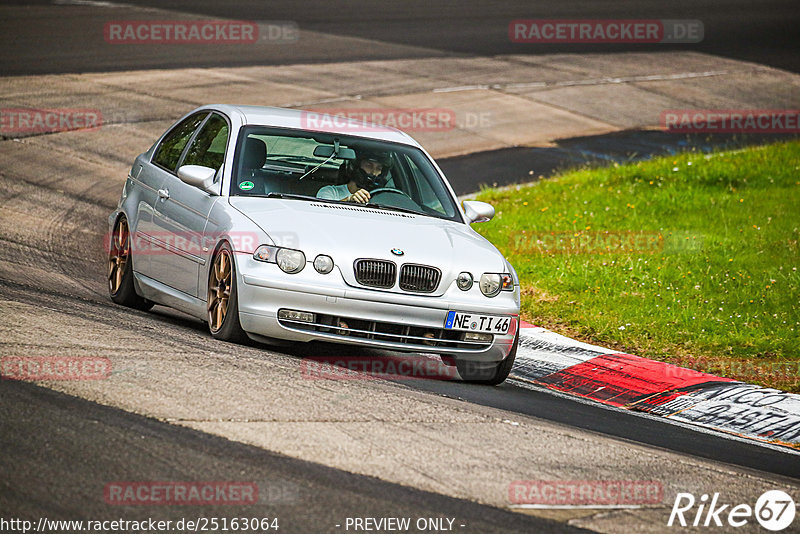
x=387 y=320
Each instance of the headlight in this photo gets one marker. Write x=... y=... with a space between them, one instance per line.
x=514 y=275
x=323 y=264
x=291 y=261
x=464 y=281
x=508 y=282
x=492 y=283
x=265 y=253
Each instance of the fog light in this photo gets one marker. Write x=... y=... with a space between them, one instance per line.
x=323 y=264
x=477 y=336
x=294 y=315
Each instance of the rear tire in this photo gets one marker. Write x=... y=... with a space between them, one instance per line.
x=222 y=301
x=120 y=269
x=489 y=374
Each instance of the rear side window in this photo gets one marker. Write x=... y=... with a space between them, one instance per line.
x=169 y=151
x=208 y=147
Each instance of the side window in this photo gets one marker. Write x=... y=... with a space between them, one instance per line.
x=208 y=147
x=169 y=151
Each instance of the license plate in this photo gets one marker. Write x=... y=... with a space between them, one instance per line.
x=470 y=322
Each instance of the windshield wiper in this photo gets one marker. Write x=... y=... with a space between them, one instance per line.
x=290 y=195
x=330 y=201
x=395 y=208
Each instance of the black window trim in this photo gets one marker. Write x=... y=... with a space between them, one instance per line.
x=163 y=137
x=197 y=131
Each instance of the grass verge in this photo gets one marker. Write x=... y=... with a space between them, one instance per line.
x=690 y=259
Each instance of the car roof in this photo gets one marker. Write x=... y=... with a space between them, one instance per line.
x=300 y=119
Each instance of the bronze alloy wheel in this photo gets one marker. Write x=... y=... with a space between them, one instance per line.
x=219 y=289
x=121 y=284
x=118 y=255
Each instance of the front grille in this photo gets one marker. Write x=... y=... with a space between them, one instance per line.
x=418 y=338
x=375 y=273
x=419 y=278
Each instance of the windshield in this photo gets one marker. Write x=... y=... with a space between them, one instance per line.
x=273 y=162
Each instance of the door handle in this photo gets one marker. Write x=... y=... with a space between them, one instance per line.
x=163 y=194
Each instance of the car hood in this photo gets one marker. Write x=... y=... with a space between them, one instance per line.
x=347 y=232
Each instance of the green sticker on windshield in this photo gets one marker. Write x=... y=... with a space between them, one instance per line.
x=246 y=186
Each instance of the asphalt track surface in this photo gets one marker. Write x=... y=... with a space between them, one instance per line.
x=53 y=39
x=47 y=441
x=58 y=451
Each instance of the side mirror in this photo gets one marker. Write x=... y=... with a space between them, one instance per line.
x=477 y=212
x=198 y=176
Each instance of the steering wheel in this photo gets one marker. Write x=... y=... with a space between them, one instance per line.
x=400 y=199
x=383 y=190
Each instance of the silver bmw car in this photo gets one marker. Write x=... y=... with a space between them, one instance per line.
x=271 y=226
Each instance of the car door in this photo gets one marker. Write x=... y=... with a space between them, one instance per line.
x=181 y=212
x=151 y=175
x=143 y=187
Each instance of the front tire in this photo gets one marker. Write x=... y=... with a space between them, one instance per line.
x=489 y=374
x=120 y=269
x=222 y=301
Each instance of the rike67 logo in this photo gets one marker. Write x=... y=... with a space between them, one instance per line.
x=774 y=510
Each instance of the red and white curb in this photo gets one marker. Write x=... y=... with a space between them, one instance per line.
x=679 y=394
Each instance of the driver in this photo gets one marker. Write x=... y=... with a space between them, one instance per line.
x=369 y=171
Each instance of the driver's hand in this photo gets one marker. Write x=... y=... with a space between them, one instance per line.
x=361 y=196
